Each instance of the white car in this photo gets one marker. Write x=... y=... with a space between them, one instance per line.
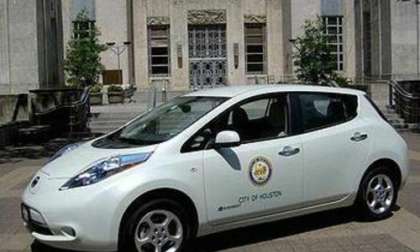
x=215 y=160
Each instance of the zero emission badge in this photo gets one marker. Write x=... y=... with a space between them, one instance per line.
x=260 y=171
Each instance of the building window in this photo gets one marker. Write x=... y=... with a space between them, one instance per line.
x=83 y=29
x=334 y=32
x=255 y=44
x=159 y=50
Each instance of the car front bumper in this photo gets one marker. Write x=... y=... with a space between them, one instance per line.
x=80 y=219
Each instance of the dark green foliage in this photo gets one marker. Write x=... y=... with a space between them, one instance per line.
x=115 y=89
x=313 y=59
x=341 y=81
x=83 y=63
x=96 y=89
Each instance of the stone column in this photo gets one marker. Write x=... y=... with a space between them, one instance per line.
x=179 y=46
x=113 y=29
x=350 y=39
x=140 y=44
x=302 y=10
x=275 y=57
x=24 y=54
x=4 y=48
x=287 y=44
x=235 y=35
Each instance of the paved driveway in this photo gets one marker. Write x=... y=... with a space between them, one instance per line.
x=330 y=231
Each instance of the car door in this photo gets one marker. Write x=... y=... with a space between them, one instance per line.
x=264 y=174
x=335 y=145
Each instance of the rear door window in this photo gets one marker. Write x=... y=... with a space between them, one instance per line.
x=320 y=110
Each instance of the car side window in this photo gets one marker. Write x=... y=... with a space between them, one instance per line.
x=260 y=119
x=321 y=110
x=254 y=120
x=256 y=109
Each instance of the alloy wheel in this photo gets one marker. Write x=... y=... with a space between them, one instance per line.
x=380 y=194
x=159 y=231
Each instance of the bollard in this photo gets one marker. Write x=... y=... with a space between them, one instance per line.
x=164 y=96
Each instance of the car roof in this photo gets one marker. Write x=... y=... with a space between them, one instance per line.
x=235 y=90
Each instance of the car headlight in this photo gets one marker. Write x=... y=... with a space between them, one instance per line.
x=105 y=168
x=66 y=149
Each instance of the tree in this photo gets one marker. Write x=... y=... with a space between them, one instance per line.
x=83 y=62
x=313 y=58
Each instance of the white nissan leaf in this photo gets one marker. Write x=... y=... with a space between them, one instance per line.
x=215 y=160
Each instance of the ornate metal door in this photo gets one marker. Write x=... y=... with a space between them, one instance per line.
x=207 y=54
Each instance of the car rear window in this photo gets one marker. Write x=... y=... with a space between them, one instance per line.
x=320 y=110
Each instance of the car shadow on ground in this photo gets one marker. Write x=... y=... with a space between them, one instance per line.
x=260 y=233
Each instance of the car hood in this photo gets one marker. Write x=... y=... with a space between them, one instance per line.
x=78 y=160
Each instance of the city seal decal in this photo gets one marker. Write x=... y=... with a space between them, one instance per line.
x=260 y=170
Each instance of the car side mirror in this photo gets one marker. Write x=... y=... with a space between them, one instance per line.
x=226 y=139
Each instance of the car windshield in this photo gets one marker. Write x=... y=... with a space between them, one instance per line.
x=162 y=123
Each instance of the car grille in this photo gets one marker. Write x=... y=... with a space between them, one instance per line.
x=32 y=225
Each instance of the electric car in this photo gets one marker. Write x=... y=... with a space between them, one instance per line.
x=215 y=160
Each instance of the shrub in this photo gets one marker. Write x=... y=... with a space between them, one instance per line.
x=115 y=88
x=83 y=62
x=313 y=58
x=96 y=88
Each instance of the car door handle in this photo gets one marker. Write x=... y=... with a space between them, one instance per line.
x=358 y=137
x=289 y=151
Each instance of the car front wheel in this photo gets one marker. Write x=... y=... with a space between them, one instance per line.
x=378 y=194
x=160 y=225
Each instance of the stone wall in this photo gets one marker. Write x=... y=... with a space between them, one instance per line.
x=30 y=45
x=115 y=30
x=177 y=14
x=8 y=106
x=404 y=37
x=18 y=46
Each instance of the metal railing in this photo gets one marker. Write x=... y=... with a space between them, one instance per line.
x=404 y=98
x=66 y=110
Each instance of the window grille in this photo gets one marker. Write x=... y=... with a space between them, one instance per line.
x=334 y=32
x=159 y=50
x=255 y=44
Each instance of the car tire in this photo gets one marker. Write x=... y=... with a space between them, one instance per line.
x=139 y=222
x=377 y=194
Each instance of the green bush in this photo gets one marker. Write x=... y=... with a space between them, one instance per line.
x=96 y=88
x=342 y=81
x=115 y=88
x=83 y=65
x=313 y=58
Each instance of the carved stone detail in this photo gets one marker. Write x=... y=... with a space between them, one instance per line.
x=206 y=17
x=158 y=20
x=255 y=19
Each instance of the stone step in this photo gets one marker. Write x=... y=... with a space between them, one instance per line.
x=395 y=119
x=108 y=118
x=392 y=115
x=114 y=116
x=108 y=122
x=103 y=129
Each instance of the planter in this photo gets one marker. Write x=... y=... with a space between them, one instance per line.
x=96 y=98
x=115 y=97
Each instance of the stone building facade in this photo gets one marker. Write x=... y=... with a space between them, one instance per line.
x=387 y=34
x=188 y=44
x=31 y=45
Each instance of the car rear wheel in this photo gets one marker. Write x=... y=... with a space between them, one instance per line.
x=377 y=194
x=160 y=225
